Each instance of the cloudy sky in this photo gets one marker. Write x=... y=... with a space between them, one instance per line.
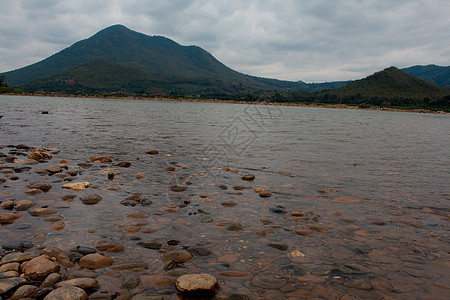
x=309 y=40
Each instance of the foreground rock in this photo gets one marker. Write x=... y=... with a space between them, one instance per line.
x=10 y=283
x=197 y=283
x=67 y=293
x=39 y=267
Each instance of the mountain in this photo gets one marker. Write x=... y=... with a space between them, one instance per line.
x=391 y=83
x=135 y=62
x=431 y=73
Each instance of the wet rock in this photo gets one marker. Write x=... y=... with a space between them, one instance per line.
x=130 y=281
x=17 y=257
x=68 y=197
x=171 y=208
x=137 y=215
x=18 y=246
x=9 y=217
x=197 y=283
x=238 y=297
x=67 y=292
x=54 y=169
x=124 y=164
x=51 y=252
x=228 y=258
x=7 y=205
x=265 y=194
x=278 y=209
x=41 y=211
x=199 y=251
x=173 y=242
x=206 y=219
x=152 y=152
x=10 y=267
x=39 y=155
x=103 y=295
x=111 y=247
x=237 y=274
x=311 y=279
x=43 y=186
x=179 y=256
x=39 y=268
x=229 y=203
x=304 y=232
x=83 y=283
x=77 y=186
x=382 y=284
x=358 y=284
x=273 y=295
x=25 y=291
x=82 y=273
x=317 y=228
x=248 y=177
x=95 y=261
x=53 y=218
x=234 y=227
x=9 y=274
x=50 y=280
x=170 y=169
x=101 y=159
x=156 y=281
x=239 y=188
x=75 y=257
x=91 y=199
x=268 y=282
x=9 y=284
x=22 y=169
x=83 y=250
x=178 y=188
x=64 y=260
x=33 y=192
x=139 y=175
x=23 y=205
x=264 y=231
x=279 y=246
x=345 y=200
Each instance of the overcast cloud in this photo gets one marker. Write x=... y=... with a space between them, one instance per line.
x=309 y=40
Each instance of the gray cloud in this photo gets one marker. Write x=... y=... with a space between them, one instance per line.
x=310 y=40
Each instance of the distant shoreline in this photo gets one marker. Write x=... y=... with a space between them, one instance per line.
x=201 y=100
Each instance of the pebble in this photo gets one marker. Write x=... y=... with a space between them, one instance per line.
x=50 y=280
x=67 y=292
x=8 y=205
x=41 y=211
x=39 y=267
x=124 y=164
x=91 y=199
x=10 y=283
x=179 y=256
x=111 y=247
x=23 y=205
x=43 y=186
x=152 y=152
x=278 y=209
x=130 y=281
x=77 y=186
x=193 y=283
x=17 y=257
x=95 y=261
x=279 y=246
x=268 y=282
x=304 y=232
x=150 y=245
x=101 y=159
x=18 y=246
x=265 y=194
x=234 y=227
x=25 y=291
x=9 y=218
x=248 y=177
x=10 y=267
x=83 y=283
x=199 y=251
x=54 y=169
x=311 y=279
x=345 y=200
x=178 y=188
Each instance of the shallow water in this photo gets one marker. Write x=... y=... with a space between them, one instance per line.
x=394 y=166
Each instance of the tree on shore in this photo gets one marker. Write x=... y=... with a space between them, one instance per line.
x=2 y=81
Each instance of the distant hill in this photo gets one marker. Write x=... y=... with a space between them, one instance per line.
x=389 y=84
x=435 y=74
x=135 y=62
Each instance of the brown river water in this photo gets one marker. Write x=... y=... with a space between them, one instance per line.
x=345 y=204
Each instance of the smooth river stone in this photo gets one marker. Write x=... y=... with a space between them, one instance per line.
x=179 y=256
x=66 y=293
x=39 y=267
x=191 y=283
x=95 y=261
x=10 y=283
x=9 y=217
x=77 y=186
x=268 y=282
x=84 y=283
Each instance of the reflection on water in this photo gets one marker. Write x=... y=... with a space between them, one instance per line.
x=357 y=202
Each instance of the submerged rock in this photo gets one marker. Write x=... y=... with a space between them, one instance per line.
x=67 y=292
x=91 y=199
